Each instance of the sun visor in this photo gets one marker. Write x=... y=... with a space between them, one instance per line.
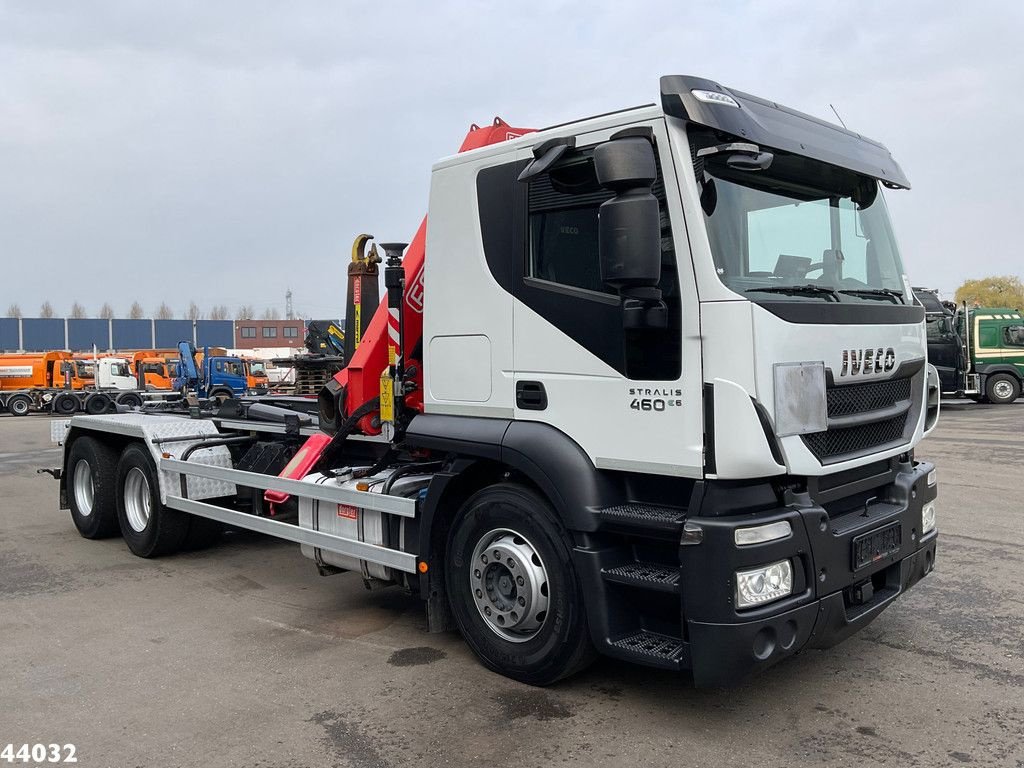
x=774 y=126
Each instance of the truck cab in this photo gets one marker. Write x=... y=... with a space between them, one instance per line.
x=210 y=376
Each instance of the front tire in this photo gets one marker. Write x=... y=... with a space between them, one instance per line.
x=19 y=405
x=149 y=528
x=92 y=488
x=1002 y=388
x=514 y=593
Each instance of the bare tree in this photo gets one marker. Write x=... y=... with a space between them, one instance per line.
x=46 y=310
x=270 y=313
x=245 y=312
x=220 y=312
x=164 y=312
x=193 y=312
x=14 y=311
x=136 y=312
x=106 y=311
x=77 y=311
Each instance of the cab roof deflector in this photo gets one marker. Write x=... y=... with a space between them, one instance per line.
x=774 y=126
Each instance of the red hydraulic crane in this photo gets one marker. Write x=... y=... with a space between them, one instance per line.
x=352 y=401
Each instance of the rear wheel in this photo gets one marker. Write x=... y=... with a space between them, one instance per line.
x=19 y=405
x=97 y=403
x=149 y=528
x=1002 y=388
x=92 y=488
x=129 y=399
x=65 y=404
x=514 y=593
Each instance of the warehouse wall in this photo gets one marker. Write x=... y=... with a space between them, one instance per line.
x=84 y=333
x=8 y=333
x=44 y=334
x=132 y=334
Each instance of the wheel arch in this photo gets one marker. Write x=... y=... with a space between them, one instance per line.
x=486 y=451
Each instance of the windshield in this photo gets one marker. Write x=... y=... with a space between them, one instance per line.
x=780 y=237
x=257 y=368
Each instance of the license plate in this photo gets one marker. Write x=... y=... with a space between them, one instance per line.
x=871 y=547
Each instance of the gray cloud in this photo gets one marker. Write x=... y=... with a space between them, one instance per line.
x=224 y=151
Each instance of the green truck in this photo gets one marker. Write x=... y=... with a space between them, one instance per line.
x=978 y=351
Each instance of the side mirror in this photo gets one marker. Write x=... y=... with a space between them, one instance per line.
x=629 y=228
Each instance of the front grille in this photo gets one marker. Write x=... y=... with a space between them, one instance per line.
x=869 y=433
x=870 y=396
x=850 y=440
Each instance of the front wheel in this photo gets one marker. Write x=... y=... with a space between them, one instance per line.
x=513 y=591
x=1002 y=388
x=19 y=405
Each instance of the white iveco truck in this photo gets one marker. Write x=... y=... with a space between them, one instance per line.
x=650 y=387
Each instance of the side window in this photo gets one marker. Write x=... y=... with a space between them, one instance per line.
x=988 y=336
x=563 y=248
x=562 y=274
x=1013 y=336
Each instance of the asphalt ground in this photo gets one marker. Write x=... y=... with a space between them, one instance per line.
x=242 y=655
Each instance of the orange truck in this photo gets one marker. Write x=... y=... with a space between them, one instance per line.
x=30 y=381
x=155 y=368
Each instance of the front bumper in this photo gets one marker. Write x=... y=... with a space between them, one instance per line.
x=831 y=598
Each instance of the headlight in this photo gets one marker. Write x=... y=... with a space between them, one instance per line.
x=764 y=584
x=928 y=518
x=931 y=478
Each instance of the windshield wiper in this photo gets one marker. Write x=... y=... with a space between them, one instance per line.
x=880 y=293
x=799 y=290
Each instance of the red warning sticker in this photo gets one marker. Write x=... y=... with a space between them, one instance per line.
x=349 y=512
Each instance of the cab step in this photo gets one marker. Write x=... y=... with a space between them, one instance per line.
x=640 y=519
x=660 y=578
x=651 y=648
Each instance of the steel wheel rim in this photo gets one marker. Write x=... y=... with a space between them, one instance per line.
x=1003 y=389
x=137 y=499
x=18 y=406
x=85 y=489
x=509 y=585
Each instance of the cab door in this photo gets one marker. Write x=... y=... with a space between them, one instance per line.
x=631 y=398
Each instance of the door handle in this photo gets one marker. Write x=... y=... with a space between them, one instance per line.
x=531 y=396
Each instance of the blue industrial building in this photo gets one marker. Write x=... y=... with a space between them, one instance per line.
x=42 y=334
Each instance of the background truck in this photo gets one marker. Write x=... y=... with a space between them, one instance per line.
x=113 y=383
x=209 y=375
x=978 y=351
x=31 y=381
x=650 y=387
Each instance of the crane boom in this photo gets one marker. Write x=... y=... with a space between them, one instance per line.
x=350 y=401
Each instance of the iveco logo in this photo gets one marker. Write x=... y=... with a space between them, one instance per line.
x=867 y=361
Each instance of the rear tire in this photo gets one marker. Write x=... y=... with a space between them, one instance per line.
x=19 y=405
x=97 y=403
x=149 y=528
x=65 y=404
x=130 y=400
x=521 y=612
x=92 y=488
x=1002 y=388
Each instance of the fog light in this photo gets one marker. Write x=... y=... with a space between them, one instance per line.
x=762 y=533
x=762 y=585
x=928 y=518
x=931 y=478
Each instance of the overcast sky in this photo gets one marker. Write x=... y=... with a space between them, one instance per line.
x=224 y=151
